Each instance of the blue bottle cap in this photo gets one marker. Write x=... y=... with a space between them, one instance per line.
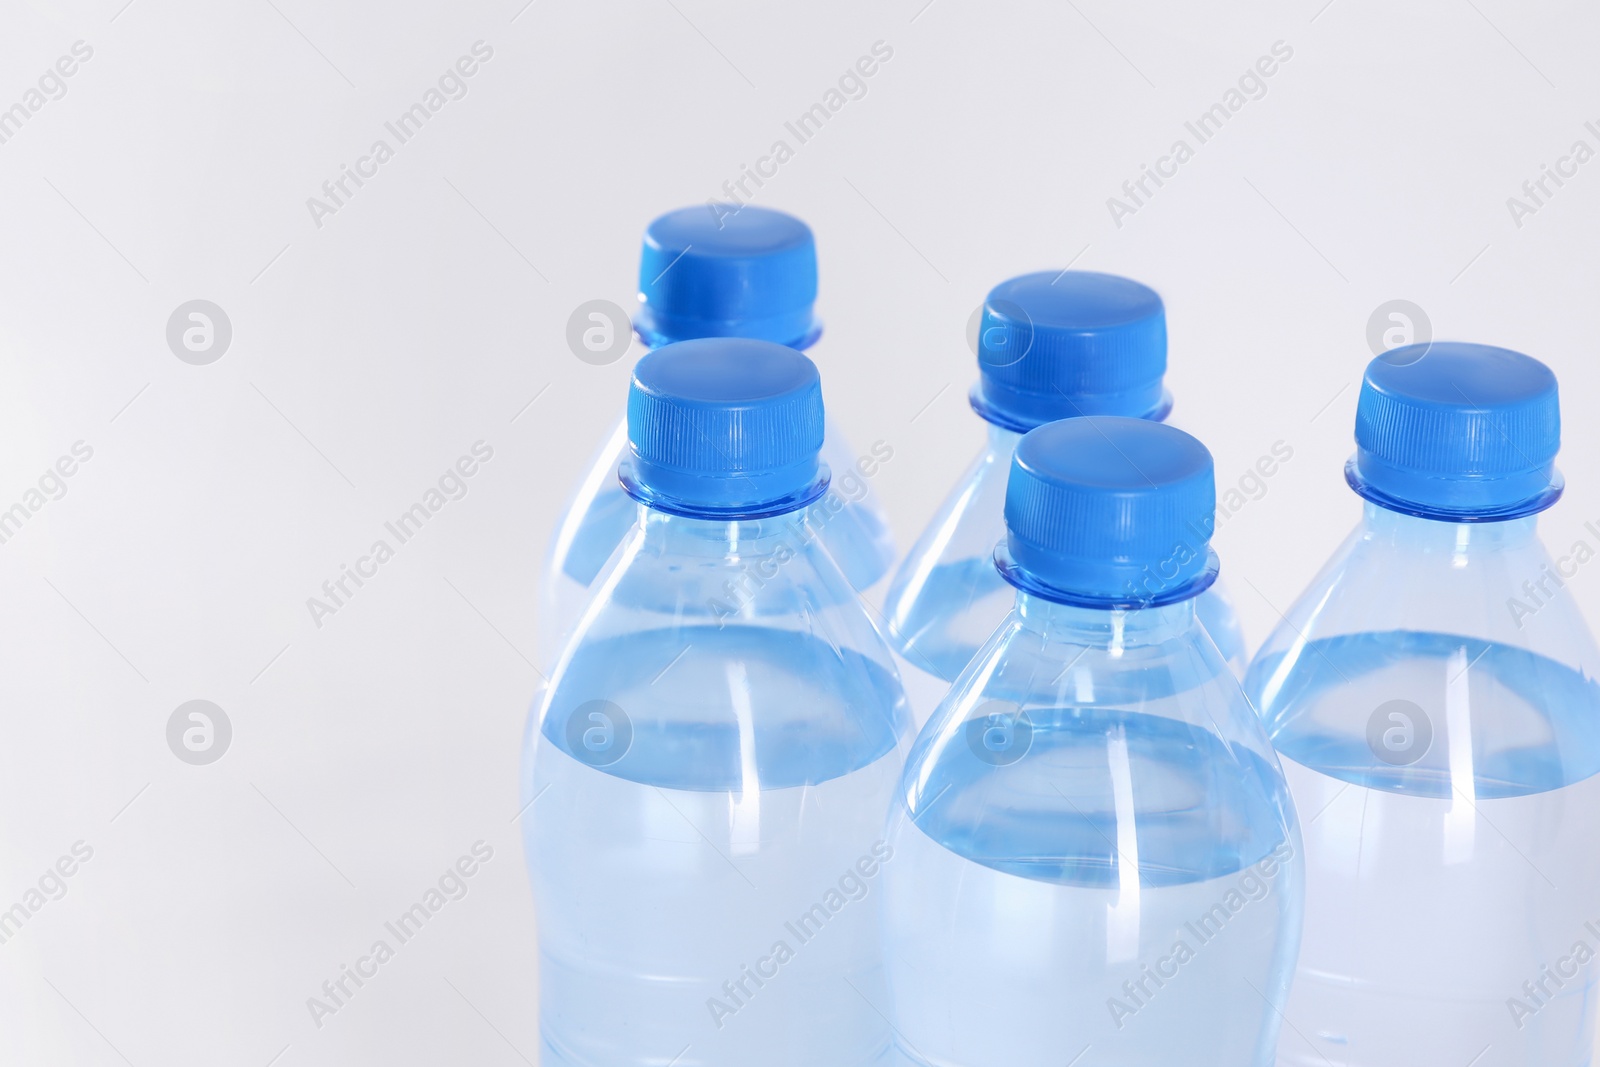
x=713 y=271
x=1457 y=432
x=1110 y=511
x=724 y=427
x=1056 y=345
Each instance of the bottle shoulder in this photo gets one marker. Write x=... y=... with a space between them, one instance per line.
x=849 y=519
x=1492 y=581
x=946 y=596
x=1418 y=661
x=1174 y=670
x=723 y=667
x=1046 y=755
x=972 y=513
x=598 y=516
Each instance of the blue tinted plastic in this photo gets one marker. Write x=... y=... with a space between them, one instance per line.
x=1095 y=856
x=707 y=778
x=848 y=523
x=947 y=597
x=1051 y=345
x=1432 y=696
x=705 y=273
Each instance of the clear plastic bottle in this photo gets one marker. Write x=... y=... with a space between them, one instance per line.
x=750 y=273
x=1095 y=858
x=1432 y=697
x=1052 y=345
x=707 y=773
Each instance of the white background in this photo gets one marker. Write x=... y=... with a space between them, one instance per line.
x=372 y=351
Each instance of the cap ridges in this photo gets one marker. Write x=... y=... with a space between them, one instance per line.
x=1112 y=508
x=733 y=425
x=1457 y=431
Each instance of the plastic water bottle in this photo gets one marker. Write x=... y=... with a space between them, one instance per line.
x=1096 y=860
x=1433 y=698
x=750 y=273
x=710 y=765
x=1052 y=345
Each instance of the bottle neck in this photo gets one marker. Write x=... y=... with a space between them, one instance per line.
x=752 y=539
x=1464 y=541
x=1106 y=628
x=1017 y=425
x=802 y=338
x=1003 y=442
